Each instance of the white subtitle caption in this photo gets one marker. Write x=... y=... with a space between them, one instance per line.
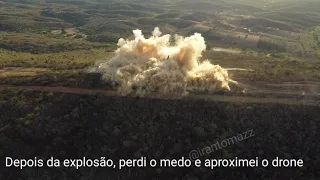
x=142 y=162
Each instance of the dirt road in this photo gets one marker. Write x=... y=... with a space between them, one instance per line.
x=307 y=100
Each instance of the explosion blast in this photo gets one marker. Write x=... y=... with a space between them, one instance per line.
x=152 y=64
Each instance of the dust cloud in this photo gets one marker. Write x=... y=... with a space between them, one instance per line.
x=155 y=64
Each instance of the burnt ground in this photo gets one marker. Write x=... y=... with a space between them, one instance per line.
x=67 y=126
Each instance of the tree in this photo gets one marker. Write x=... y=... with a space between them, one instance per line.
x=79 y=36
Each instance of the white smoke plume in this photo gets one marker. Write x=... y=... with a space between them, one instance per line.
x=154 y=65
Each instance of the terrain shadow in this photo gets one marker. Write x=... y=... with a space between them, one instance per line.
x=68 y=126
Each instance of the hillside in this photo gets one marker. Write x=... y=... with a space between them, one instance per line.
x=70 y=88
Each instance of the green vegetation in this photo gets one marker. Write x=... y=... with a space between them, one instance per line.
x=67 y=60
x=51 y=44
x=111 y=38
x=271 y=45
x=66 y=78
x=66 y=35
x=105 y=22
x=66 y=126
x=43 y=43
x=77 y=19
x=73 y=35
x=270 y=68
x=316 y=37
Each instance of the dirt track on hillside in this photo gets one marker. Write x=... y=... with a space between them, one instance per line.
x=268 y=97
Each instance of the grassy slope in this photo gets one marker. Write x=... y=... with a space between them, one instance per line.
x=68 y=60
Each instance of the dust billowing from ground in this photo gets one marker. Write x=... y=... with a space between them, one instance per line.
x=155 y=64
